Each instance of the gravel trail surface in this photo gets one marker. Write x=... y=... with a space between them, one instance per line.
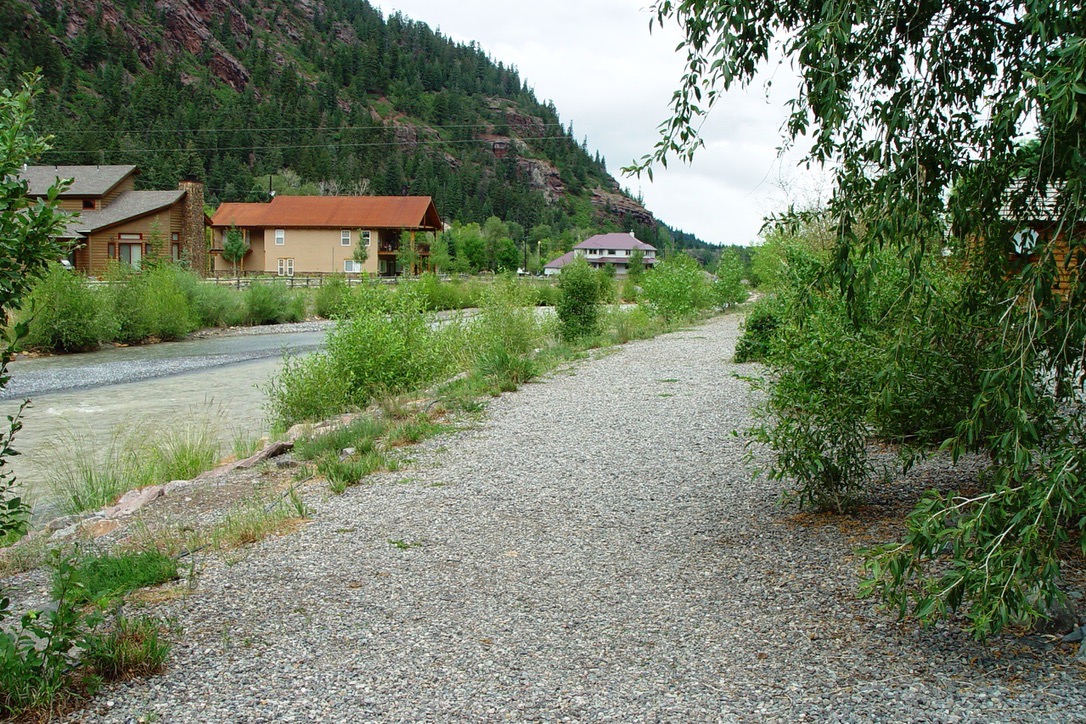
x=595 y=549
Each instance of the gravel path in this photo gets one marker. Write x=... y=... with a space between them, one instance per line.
x=594 y=550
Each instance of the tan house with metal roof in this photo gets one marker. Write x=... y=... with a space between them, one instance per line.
x=115 y=222
x=318 y=234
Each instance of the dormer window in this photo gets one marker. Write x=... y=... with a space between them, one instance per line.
x=88 y=204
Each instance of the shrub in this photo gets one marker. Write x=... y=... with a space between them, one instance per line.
x=728 y=288
x=151 y=303
x=306 y=388
x=759 y=328
x=218 y=306
x=38 y=664
x=66 y=313
x=438 y=295
x=385 y=345
x=165 y=306
x=578 y=313
x=675 y=288
x=331 y=299
x=272 y=303
x=623 y=325
x=815 y=418
x=378 y=353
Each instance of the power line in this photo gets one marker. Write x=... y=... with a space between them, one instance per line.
x=330 y=146
x=115 y=131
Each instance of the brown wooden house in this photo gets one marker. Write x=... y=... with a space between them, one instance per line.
x=1039 y=228
x=115 y=222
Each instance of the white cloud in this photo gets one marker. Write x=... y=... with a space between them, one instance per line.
x=613 y=80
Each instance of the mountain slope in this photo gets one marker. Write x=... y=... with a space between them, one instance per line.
x=346 y=100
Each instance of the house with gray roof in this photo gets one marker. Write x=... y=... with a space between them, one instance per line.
x=606 y=250
x=114 y=222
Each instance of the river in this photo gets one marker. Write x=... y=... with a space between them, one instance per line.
x=83 y=403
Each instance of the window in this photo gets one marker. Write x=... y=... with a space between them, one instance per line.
x=280 y=237
x=1025 y=241
x=610 y=252
x=285 y=267
x=131 y=254
x=130 y=237
x=174 y=236
x=88 y=204
x=175 y=252
x=364 y=238
x=351 y=266
x=345 y=237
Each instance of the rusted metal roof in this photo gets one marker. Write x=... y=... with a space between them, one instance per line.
x=333 y=212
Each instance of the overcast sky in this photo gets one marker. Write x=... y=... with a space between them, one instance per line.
x=613 y=79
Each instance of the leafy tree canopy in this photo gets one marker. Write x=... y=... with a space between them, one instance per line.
x=920 y=111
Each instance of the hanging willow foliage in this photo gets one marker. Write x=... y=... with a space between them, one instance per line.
x=958 y=126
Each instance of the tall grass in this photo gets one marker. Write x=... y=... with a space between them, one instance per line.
x=88 y=476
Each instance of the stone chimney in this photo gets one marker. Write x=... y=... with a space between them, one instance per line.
x=193 y=231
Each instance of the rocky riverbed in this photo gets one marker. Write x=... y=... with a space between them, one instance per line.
x=594 y=548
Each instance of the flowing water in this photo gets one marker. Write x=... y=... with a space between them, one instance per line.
x=82 y=404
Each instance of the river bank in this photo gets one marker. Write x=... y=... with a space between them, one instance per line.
x=593 y=547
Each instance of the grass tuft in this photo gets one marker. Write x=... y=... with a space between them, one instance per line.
x=128 y=648
x=95 y=578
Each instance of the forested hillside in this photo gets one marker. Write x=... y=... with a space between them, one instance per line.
x=325 y=96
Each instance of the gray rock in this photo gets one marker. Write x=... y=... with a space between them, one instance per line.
x=63 y=522
x=133 y=500
x=1061 y=619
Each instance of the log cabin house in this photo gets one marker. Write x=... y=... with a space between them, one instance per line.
x=115 y=222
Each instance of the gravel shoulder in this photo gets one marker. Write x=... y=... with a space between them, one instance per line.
x=594 y=549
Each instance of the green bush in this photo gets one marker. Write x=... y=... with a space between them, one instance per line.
x=306 y=388
x=217 y=306
x=728 y=289
x=384 y=346
x=67 y=315
x=815 y=418
x=624 y=325
x=759 y=327
x=676 y=288
x=166 y=307
x=440 y=295
x=149 y=304
x=272 y=303
x=378 y=353
x=38 y=657
x=578 y=311
x=331 y=299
